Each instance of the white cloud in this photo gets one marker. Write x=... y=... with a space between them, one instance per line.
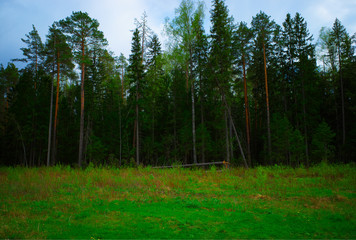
x=324 y=12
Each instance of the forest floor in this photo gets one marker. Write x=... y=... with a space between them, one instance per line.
x=97 y=203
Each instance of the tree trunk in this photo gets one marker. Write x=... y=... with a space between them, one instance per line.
x=120 y=133
x=137 y=129
x=227 y=137
x=56 y=115
x=203 y=135
x=342 y=102
x=50 y=127
x=267 y=106
x=122 y=84
x=81 y=132
x=175 y=126
x=246 y=112
x=231 y=142
x=232 y=121
x=193 y=124
x=305 y=125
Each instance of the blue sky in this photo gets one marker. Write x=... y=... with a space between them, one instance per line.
x=116 y=17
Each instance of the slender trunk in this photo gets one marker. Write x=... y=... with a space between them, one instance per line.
x=137 y=129
x=122 y=83
x=246 y=112
x=232 y=121
x=231 y=142
x=36 y=68
x=175 y=127
x=193 y=124
x=23 y=144
x=267 y=106
x=203 y=127
x=81 y=132
x=56 y=115
x=305 y=124
x=134 y=135
x=236 y=135
x=153 y=129
x=120 y=133
x=342 y=102
x=227 y=137
x=50 y=126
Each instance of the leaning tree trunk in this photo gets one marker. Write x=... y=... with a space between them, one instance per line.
x=227 y=108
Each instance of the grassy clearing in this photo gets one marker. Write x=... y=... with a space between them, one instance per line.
x=274 y=202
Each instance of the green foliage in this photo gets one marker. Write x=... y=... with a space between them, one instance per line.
x=287 y=142
x=96 y=150
x=323 y=149
x=178 y=96
x=34 y=51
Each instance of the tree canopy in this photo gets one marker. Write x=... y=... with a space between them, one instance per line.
x=248 y=94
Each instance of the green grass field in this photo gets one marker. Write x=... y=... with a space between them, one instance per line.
x=98 y=203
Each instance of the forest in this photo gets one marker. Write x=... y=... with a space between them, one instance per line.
x=250 y=94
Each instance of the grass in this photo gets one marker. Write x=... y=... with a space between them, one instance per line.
x=97 y=203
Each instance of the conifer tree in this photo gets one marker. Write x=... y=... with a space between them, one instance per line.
x=34 y=51
x=221 y=62
x=83 y=32
x=263 y=28
x=242 y=42
x=136 y=75
x=59 y=58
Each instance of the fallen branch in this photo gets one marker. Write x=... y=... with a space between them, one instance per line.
x=195 y=164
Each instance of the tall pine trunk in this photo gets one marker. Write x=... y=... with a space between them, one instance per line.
x=81 y=132
x=137 y=129
x=50 y=128
x=54 y=151
x=267 y=106
x=342 y=101
x=246 y=112
x=120 y=133
x=193 y=124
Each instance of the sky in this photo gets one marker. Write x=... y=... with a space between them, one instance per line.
x=116 y=17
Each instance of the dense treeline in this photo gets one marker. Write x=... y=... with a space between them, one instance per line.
x=249 y=95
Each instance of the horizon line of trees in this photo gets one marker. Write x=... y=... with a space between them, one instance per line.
x=259 y=95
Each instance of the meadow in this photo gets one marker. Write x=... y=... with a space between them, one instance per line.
x=97 y=203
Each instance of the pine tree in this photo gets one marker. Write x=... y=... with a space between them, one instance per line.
x=200 y=69
x=263 y=28
x=83 y=32
x=34 y=51
x=136 y=75
x=338 y=36
x=242 y=42
x=221 y=62
x=59 y=58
